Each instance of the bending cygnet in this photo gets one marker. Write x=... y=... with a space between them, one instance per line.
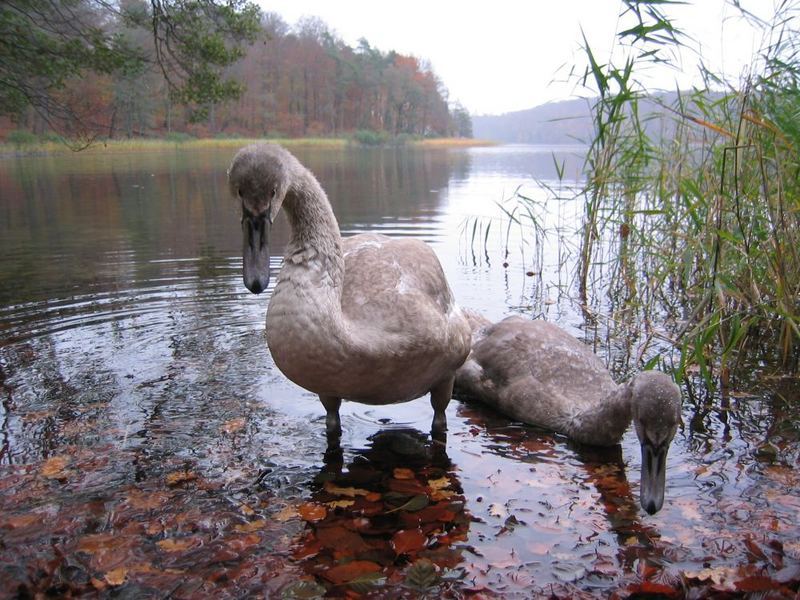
x=535 y=372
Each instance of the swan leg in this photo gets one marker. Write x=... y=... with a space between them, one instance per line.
x=333 y=425
x=440 y=398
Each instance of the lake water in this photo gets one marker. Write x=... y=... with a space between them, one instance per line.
x=149 y=446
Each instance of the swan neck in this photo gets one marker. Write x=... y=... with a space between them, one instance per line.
x=315 y=231
x=605 y=422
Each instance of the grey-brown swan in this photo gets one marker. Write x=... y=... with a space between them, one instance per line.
x=537 y=373
x=367 y=318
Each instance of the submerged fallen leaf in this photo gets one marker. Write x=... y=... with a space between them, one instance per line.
x=340 y=503
x=179 y=477
x=96 y=542
x=251 y=526
x=116 y=577
x=312 y=512
x=422 y=575
x=441 y=512
x=178 y=544
x=439 y=489
x=98 y=584
x=757 y=584
x=53 y=468
x=442 y=483
x=286 y=513
x=303 y=589
x=141 y=500
x=234 y=425
x=792 y=549
x=350 y=492
x=416 y=503
x=350 y=571
x=343 y=541
x=408 y=541
x=649 y=587
x=407 y=487
x=364 y=583
x=23 y=520
x=717 y=575
x=403 y=473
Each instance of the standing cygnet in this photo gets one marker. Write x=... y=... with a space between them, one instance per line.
x=367 y=318
x=537 y=373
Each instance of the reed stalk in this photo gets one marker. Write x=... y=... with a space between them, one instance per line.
x=697 y=205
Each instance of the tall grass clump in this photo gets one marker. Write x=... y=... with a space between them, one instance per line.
x=692 y=199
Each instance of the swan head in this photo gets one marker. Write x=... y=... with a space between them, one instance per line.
x=259 y=177
x=656 y=411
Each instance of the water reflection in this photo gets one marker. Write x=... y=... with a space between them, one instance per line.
x=550 y=487
x=393 y=513
x=140 y=406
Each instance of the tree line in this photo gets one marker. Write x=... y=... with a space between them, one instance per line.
x=95 y=68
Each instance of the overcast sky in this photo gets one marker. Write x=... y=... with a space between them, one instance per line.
x=498 y=56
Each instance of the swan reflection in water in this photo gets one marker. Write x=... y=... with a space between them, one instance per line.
x=393 y=510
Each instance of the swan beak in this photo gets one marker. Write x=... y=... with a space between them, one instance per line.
x=255 y=252
x=654 y=474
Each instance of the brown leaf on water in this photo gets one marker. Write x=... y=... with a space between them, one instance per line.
x=408 y=541
x=311 y=547
x=349 y=492
x=251 y=526
x=441 y=483
x=342 y=503
x=98 y=584
x=437 y=513
x=239 y=544
x=54 y=467
x=649 y=588
x=792 y=549
x=179 y=477
x=309 y=511
x=286 y=513
x=141 y=500
x=754 y=549
x=403 y=473
x=757 y=583
x=116 y=577
x=422 y=575
x=23 y=520
x=409 y=487
x=342 y=541
x=96 y=542
x=350 y=571
x=716 y=575
x=414 y=504
x=179 y=544
x=234 y=425
x=246 y=509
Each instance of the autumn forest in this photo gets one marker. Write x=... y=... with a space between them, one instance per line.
x=293 y=80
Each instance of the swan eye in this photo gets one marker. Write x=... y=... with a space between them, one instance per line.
x=274 y=191
x=241 y=195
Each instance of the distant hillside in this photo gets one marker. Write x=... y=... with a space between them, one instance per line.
x=565 y=122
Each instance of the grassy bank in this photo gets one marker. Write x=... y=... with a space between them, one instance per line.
x=36 y=147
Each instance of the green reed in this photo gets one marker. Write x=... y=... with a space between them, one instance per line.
x=692 y=211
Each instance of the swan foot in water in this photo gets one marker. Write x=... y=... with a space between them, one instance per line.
x=440 y=398
x=333 y=424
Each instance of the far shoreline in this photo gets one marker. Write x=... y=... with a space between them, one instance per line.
x=145 y=144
